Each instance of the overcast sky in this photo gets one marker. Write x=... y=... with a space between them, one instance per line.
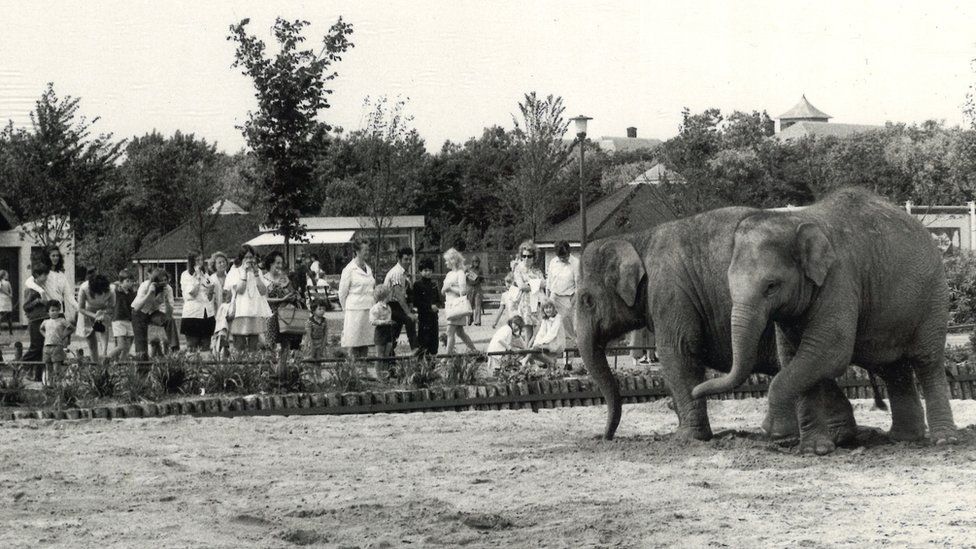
x=465 y=64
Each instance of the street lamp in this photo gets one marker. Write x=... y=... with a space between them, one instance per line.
x=580 y=122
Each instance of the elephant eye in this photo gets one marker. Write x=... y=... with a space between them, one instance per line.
x=586 y=300
x=771 y=287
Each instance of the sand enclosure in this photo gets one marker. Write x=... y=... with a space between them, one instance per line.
x=504 y=478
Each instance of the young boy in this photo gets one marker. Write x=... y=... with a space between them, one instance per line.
x=317 y=331
x=57 y=335
x=381 y=317
x=509 y=300
x=508 y=338
x=125 y=292
x=428 y=299
x=35 y=307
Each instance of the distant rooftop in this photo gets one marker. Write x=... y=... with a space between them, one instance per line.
x=627 y=144
x=822 y=129
x=804 y=111
x=656 y=175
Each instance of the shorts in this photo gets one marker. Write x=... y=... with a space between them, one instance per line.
x=383 y=335
x=53 y=353
x=122 y=328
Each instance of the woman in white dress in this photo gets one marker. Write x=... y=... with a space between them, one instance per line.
x=197 y=321
x=456 y=287
x=250 y=304
x=356 y=297
x=531 y=284
x=6 y=302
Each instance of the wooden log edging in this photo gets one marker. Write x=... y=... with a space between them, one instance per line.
x=534 y=395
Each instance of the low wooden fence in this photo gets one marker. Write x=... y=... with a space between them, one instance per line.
x=534 y=395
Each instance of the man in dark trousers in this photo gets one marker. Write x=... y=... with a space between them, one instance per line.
x=428 y=300
x=398 y=280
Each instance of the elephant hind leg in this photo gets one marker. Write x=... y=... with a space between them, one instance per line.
x=682 y=371
x=930 y=370
x=907 y=418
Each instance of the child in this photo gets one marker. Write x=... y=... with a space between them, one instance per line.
x=125 y=292
x=381 y=317
x=6 y=302
x=509 y=300
x=57 y=334
x=35 y=307
x=550 y=339
x=427 y=299
x=508 y=338
x=316 y=331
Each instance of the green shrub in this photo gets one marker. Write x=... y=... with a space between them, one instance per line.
x=417 y=373
x=461 y=370
x=136 y=386
x=12 y=388
x=67 y=392
x=346 y=376
x=99 y=380
x=961 y=277
x=175 y=375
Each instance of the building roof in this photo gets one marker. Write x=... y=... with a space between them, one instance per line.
x=356 y=223
x=656 y=175
x=629 y=208
x=226 y=207
x=804 y=109
x=229 y=232
x=627 y=144
x=804 y=128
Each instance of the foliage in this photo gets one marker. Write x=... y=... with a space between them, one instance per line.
x=136 y=386
x=961 y=277
x=99 y=380
x=419 y=373
x=346 y=376
x=55 y=173
x=461 y=370
x=174 y=375
x=291 y=89
x=67 y=392
x=12 y=388
x=542 y=156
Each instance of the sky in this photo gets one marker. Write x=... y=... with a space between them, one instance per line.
x=464 y=65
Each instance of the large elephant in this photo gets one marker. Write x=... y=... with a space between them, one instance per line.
x=673 y=280
x=849 y=279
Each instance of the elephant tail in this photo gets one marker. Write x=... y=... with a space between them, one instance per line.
x=879 y=402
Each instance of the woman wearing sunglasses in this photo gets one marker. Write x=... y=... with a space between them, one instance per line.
x=531 y=284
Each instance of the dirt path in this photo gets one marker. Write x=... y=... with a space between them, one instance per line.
x=510 y=478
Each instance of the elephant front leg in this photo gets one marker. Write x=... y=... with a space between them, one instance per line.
x=681 y=373
x=826 y=418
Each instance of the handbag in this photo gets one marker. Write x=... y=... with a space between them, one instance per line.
x=458 y=308
x=292 y=319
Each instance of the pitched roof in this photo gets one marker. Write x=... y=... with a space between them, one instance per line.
x=823 y=129
x=629 y=208
x=227 y=235
x=226 y=207
x=804 y=109
x=626 y=144
x=656 y=174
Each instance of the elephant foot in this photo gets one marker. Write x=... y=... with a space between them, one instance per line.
x=693 y=433
x=818 y=443
x=781 y=427
x=943 y=436
x=906 y=434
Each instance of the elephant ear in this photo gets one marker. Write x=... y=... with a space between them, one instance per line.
x=815 y=252
x=625 y=269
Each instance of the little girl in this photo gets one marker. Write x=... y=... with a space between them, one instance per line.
x=316 y=331
x=381 y=317
x=550 y=339
x=6 y=302
x=508 y=338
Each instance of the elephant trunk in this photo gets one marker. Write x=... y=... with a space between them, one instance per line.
x=595 y=358
x=748 y=325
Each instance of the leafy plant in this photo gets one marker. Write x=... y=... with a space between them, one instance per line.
x=99 y=380
x=68 y=392
x=346 y=376
x=12 y=388
x=461 y=370
x=174 y=375
x=135 y=386
x=418 y=373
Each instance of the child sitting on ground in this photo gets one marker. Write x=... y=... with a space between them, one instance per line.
x=381 y=317
x=550 y=339
x=317 y=331
x=509 y=300
x=508 y=338
x=57 y=335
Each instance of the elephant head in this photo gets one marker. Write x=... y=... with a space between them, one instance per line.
x=609 y=303
x=778 y=263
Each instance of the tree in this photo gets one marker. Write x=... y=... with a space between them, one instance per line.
x=55 y=173
x=542 y=155
x=291 y=90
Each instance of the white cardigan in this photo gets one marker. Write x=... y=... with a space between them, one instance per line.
x=356 y=287
x=195 y=306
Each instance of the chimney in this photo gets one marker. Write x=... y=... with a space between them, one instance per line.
x=632 y=132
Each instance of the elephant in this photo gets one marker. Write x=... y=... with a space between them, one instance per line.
x=851 y=278
x=672 y=279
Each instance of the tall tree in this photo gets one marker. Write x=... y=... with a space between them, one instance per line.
x=539 y=131
x=54 y=174
x=291 y=88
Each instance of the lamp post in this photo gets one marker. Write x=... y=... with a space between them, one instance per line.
x=580 y=122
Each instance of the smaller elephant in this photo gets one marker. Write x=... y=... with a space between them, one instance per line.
x=849 y=279
x=672 y=279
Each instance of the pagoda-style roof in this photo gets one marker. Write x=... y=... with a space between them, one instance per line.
x=804 y=111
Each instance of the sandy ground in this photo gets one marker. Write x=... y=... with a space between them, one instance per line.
x=477 y=479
